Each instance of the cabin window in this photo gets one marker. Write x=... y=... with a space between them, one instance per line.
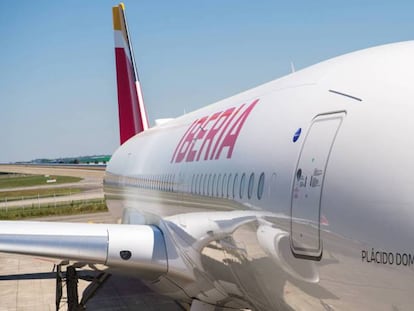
x=192 y=184
x=260 y=186
x=213 y=185
x=208 y=185
x=218 y=186
x=166 y=182
x=229 y=185
x=242 y=185
x=200 y=185
x=251 y=184
x=235 y=182
x=223 y=188
x=205 y=184
x=195 y=184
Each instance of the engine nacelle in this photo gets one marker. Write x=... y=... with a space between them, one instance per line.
x=139 y=247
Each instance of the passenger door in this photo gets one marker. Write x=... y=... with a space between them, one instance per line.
x=308 y=185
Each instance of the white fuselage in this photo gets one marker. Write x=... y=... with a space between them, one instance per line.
x=322 y=218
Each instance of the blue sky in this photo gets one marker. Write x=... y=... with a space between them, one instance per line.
x=57 y=69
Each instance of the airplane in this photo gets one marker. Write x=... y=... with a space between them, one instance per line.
x=293 y=195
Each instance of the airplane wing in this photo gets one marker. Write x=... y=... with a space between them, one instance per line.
x=141 y=247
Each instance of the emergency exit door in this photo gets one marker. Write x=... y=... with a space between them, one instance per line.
x=308 y=185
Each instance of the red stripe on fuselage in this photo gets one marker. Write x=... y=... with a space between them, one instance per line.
x=130 y=122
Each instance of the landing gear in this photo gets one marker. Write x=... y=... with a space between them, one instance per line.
x=72 y=289
x=58 y=286
x=71 y=279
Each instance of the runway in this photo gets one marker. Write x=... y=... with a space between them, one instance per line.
x=90 y=185
x=92 y=173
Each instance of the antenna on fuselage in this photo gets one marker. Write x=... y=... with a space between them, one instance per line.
x=292 y=67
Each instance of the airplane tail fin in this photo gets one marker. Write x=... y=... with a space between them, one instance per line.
x=133 y=117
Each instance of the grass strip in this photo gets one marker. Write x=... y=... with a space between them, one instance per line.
x=36 y=193
x=50 y=209
x=14 y=181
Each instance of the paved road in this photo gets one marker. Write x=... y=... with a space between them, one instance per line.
x=87 y=195
x=82 y=172
x=81 y=184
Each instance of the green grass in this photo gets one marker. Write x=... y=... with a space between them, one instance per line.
x=14 y=181
x=71 y=208
x=36 y=193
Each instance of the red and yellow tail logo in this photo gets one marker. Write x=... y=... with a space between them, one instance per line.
x=132 y=115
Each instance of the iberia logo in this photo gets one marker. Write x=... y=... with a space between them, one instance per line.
x=210 y=137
